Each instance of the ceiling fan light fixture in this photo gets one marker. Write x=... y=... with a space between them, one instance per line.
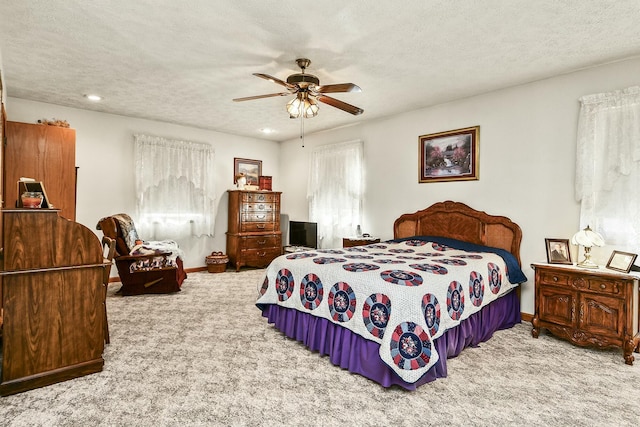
x=310 y=107
x=302 y=104
x=293 y=107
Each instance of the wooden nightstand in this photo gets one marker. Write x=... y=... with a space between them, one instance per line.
x=349 y=242
x=587 y=307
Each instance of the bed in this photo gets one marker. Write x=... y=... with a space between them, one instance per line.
x=395 y=311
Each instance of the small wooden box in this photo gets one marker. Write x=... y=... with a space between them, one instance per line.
x=264 y=183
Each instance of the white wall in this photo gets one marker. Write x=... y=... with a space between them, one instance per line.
x=527 y=160
x=104 y=155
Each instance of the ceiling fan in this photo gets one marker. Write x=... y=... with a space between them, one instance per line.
x=308 y=92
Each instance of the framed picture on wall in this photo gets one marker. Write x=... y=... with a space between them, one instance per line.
x=558 y=251
x=449 y=156
x=252 y=169
x=621 y=261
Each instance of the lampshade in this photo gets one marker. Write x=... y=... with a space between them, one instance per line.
x=587 y=238
x=302 y=104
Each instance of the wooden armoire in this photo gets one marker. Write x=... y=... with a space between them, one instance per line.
x=52 y=291
x=46 y=154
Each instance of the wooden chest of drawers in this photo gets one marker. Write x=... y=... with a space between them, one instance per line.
x=254 y=238
x=587 y=307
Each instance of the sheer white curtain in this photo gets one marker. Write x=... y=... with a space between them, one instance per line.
x=336 y=187
x=608 y=166
x=174 y=187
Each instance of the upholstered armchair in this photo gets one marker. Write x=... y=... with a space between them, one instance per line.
x=144 y=267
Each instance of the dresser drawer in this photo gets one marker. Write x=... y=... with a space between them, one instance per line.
x=248 y=227
x=260 y=197
x=259 y=207
x=261 y=242
x=260 y=257
x=258 y=217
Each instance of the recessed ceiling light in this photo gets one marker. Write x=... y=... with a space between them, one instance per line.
x=267 y=131
x=94 y=98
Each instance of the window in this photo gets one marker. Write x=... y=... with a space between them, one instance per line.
x=174 y=188
x=336 y=188
x=608 y=166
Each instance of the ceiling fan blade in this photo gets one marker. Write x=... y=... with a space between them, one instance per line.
x=340 y=104
x=275 y=80
x=341 y=87
x=269 y=95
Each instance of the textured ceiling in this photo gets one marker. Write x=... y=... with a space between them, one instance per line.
x=184 y=61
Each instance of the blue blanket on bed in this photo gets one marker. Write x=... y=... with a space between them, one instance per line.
x=514 y=272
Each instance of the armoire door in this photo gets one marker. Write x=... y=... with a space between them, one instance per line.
x=46 y=154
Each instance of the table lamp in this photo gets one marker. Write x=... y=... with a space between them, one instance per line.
x=587 y=238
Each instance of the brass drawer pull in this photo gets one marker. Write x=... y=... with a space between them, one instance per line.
x=555 y=278
x=603 y=286
x=260 y=226
x=261 y=216
x=262 y=242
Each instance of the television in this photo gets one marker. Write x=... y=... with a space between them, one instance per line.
x=303 y=234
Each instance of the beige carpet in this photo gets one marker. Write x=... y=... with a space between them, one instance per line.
x=206 y=357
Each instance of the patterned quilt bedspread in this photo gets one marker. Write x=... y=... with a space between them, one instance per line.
x=401 y=294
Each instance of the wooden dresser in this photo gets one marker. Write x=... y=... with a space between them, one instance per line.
x=588 y=307
x=254 y=238
x=53 y=295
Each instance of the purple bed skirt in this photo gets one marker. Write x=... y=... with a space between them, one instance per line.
x=358 y=355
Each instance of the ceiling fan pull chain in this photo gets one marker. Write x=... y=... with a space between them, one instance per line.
x=302 y=129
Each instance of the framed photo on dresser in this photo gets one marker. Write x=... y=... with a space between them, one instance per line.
x=558 y=251
x=621 y=261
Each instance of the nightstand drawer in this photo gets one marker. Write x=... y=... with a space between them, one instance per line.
x=554 y=278
x=604 y=286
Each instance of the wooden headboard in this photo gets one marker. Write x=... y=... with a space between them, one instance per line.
x=458 y=221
